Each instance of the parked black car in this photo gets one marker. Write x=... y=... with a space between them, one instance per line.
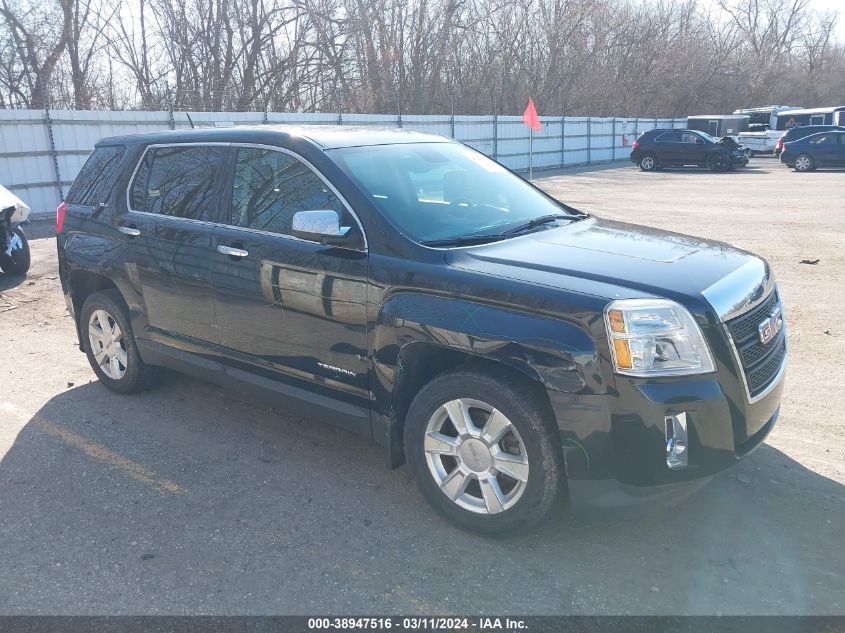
x=665 y=148
x=803 y=131
x=410 y=289
x=825 y=149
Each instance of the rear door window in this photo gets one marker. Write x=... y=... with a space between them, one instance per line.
x=96 y=178
x=269 y=187
x=179 y=181
x=824 y=139
x=668 y=137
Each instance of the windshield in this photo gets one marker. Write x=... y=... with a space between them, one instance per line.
x=441 y=191
x=707 y=137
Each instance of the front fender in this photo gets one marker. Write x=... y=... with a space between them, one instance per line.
x=556 y=352
x=559 y=353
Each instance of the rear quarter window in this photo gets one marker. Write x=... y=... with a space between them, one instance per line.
x=97 y=176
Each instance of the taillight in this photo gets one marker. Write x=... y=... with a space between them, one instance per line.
x=635 y=145
x=60 y=216
x=780 y=143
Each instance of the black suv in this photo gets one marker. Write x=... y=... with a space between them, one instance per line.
x=665 y=148
x=803 y=131
x=410 y=289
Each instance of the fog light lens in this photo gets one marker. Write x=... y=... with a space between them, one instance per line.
x=676 y=441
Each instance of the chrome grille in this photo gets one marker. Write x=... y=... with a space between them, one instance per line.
x=745 y=325
x=760 y=363
x=763 y=373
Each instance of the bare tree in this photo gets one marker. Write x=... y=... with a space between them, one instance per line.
x=597 y=57
x=40 y=34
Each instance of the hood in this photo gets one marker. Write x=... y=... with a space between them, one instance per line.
x=609 y=259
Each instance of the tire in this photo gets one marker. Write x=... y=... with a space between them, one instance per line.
x=719 y=162
x=470 y=464
x=804 y=162
x=18 y=263
x=648 y=163
x=122 y=369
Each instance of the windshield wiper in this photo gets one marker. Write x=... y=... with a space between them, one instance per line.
x=543 y=219
x=463 y=240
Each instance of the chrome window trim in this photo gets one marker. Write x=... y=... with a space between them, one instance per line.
x=274 y=148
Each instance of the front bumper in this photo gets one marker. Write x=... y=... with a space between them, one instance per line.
x=615 y=444
x=608 y=498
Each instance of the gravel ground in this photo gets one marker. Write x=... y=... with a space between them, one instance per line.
x=187 y=499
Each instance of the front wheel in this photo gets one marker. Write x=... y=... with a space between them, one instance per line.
x=719 y=162
x=804 y=162
x=16 y=259
x=484 y=455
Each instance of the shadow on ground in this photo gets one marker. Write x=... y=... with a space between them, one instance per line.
x=188 y=500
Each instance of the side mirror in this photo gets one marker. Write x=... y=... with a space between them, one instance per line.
x=320 y=226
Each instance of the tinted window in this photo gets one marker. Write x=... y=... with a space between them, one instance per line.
x=824 y=139
x=668 y=137
x=95 y=180
x=270 y=187
x=178 y=181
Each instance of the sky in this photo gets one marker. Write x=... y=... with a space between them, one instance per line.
x=835 y=6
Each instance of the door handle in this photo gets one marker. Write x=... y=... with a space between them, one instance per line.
x=232 y=251
x=131 y=231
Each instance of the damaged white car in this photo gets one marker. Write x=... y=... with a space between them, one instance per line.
x=14 y=248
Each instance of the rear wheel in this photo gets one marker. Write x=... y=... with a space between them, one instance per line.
x=483 y=454
x=16 y=263
x=110 y=346
x=804 y=162
x=648 y=162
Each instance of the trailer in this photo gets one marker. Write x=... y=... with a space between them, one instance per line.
x=762 y=134
x=718 y=125
x=763 y=118
x=833 y=115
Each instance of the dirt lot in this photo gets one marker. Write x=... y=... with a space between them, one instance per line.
x=189 y=500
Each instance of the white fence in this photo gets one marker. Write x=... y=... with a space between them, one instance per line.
x=41 y=152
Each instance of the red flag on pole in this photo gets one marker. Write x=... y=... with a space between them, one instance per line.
x=530 y=118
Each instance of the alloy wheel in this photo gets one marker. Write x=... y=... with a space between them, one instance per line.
x=107 y=344
x=803 y=163
x=476 y=456
x=647 y=163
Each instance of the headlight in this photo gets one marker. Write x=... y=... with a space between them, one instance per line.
x=655 y=337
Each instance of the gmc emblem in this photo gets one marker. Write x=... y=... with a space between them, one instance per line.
x=769 y=328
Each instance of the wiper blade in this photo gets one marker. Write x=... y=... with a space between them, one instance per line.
x=543 y=219
x=463 y=240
